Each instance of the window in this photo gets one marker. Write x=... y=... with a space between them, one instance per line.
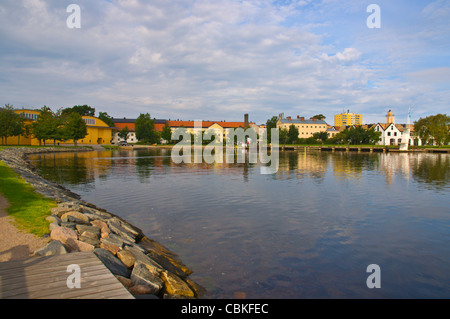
x=389 y=133
x=395 y=133
x=89 y=121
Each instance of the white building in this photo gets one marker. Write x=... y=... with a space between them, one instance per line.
x=394 y=134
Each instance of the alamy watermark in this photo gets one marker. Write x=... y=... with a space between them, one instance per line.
x=374 y=280
x=240 y=145
x=74 y=279
x=74 y=19
x=374 y=20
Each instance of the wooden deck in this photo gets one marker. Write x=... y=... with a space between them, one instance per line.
x=46 y=278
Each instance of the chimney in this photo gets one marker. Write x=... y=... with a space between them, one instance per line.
x=314 y=119
x=289 y=118
x=302 y=118
x=298 y=117
x=245 y=120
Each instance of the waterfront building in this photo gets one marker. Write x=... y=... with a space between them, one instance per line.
x=394 y=134
x=306 y=127
x=347 y=119
x=220 y=127
x=98 y=132
x=130 y=124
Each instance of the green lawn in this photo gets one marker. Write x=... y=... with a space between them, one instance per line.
x=28 y=208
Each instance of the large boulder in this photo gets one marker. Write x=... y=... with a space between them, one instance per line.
x=112 y=263
x=174 y=285
x=141 y=275
x=55 y=247
x=63 y=234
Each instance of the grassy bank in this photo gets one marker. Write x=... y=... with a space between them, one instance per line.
x=28 y=208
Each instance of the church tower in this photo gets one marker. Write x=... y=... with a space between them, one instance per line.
x=389 y=117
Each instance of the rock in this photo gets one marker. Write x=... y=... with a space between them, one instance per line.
x=196 y=288
x=55 y=247
x=126 y=282
x=141 y=275
x=92 y=241
x=140 y=290
x=153 y=266
x=59 y=211
x=53 y=226
x=78 y=245
x=117 y=229
x=112 y=263
x=63 y=234
x=89 y=231
x=113 y=249
x=104 y=229
x=126 y=257
x=70 y=225
x=75 y=217
x=174 y=285
x=181 y=271
x=53 y=219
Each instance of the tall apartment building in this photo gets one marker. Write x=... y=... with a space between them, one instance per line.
x=345 y=119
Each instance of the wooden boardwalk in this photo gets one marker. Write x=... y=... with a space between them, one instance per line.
x=46 y=278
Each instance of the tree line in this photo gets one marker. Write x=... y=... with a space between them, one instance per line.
x=62 y=125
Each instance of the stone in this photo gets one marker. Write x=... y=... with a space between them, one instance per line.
x=55 y=247
x=126 y=282
x=174 y=285
x=92 y=241
x=63 y=234
x=113 y=241
x=53 y=219
x=89 y=231
x=126 y=257
x=153 y=266
x=141 y=290
x=78 y=245
x=59 y=211
x=117 y=229
x=112 y=263
x=141 y=275
x=113 y=249
x=196 y=288
x=181 y=271
x=53 y=226
x=69 y=225
x=75 y=217
x=104 y=229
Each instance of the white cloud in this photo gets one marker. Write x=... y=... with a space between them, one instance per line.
x=186 y=59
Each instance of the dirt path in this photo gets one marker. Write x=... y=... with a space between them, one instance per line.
x=14 y=243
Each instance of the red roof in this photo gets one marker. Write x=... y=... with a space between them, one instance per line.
x=206 y=124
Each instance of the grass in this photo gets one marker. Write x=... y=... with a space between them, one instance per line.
x=28 y=208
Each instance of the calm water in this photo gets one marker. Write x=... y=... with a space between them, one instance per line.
x=309 y=231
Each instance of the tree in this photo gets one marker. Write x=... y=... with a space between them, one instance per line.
x=145 y=129
x=106 y=118
x=11 y=123
x=83 y=110
x=284 y=135
x=123 y=133
x=319 y=117
x=75 y=127
x=166 y=133
x=46 y=125
x=292 y=134
x=322 y=136
x=270 y=124
x=434 y=126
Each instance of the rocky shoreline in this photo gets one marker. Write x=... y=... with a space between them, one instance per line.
x=143 y=266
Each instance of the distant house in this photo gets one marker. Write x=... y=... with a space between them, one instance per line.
x=306 y=127
x=130 y=124
x=220 y=126
x=393 y=134
x=98 y=132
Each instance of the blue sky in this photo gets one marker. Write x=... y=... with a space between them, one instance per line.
x=219 y=59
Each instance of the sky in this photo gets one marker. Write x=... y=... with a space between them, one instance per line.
x=219 y=59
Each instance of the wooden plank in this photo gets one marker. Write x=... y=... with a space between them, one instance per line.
x=46 y=277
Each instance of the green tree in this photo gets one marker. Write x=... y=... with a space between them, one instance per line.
x=123 y=133
x=321 y=136
x=292 y=134
x=166 y=133
x=11 y=123
x=270 y=124
x=434 y=127
x=106 y=118
x=83 y=110
x=319 y=117
x=46 y=126
x=284 y=135
x=75 y=127
x=145 y=129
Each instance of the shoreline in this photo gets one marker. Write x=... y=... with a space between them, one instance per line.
x=145 y=267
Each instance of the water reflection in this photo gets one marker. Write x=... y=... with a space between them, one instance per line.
x=310 y=230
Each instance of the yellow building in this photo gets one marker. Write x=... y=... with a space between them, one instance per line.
x=306 y=128
x=346 y=119
x=98 y=132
